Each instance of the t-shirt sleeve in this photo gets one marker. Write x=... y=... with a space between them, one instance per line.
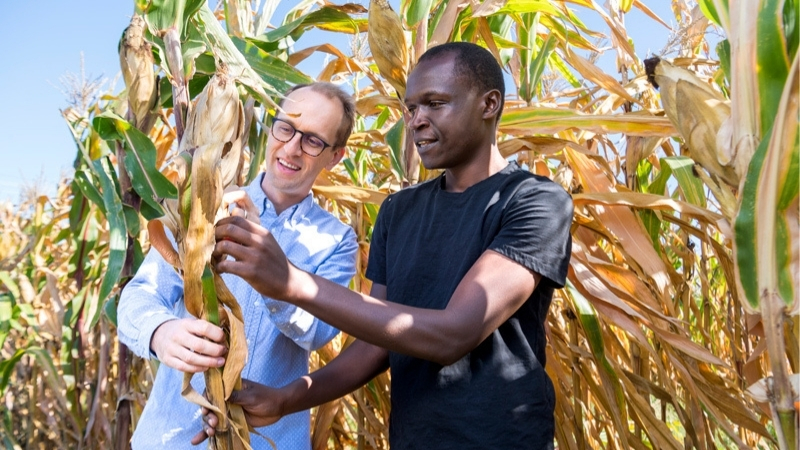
x=376 y=265
x=535 y=230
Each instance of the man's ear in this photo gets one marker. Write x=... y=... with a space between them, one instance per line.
x=338 y=154
x=491 y=104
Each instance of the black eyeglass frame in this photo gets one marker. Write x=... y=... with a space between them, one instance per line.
x=302 y=135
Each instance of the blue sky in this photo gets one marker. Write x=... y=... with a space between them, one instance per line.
x=43 y=41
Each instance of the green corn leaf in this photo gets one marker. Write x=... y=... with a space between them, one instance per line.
x=537 y=66
x=132 y=222
x=73 y=308
x=12 y=286
x=561 y=67
x=709 y=10
x=325 y=18
x=594 y=336
x=162 y=15
x=257 y=141
x=196 y=86
x=110 y=310
x=117 y=239
x=724 y=53
x=88 y=189
x=417 y=10
x=529 y=6
x=652 y=224
x=272 y=70
x=529 y=48
x=6 y=316
x=210 y=296
x=691 y=186
x=140 y=160
x=745 y=227
x=7 y=367
x=394 y=138
x=772 y=58
x=351 y=169
x=791 y=27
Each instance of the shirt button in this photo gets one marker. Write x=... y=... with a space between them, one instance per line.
x=273 y=309
x=257 y=303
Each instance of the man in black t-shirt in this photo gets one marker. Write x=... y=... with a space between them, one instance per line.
x=463 y=270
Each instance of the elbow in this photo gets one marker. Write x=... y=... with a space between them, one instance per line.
x=451 y=349
x=448 y=359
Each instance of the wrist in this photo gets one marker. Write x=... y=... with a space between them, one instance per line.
x=301 y=286
x=293 y=396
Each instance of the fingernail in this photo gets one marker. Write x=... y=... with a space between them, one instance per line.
x=221 y=362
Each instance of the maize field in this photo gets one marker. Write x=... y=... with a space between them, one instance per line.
x=679 y=326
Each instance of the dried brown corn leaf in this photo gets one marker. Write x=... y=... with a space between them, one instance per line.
x=388 y=44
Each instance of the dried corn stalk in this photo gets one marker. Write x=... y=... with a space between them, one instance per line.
x=208 y=161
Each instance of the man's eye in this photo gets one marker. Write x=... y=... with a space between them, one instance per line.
x=285 y=128
x=314 y=142
x=435 y=104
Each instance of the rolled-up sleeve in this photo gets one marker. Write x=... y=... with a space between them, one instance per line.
x=300 y=326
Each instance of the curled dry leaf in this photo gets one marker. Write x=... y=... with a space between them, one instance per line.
x=388 y=47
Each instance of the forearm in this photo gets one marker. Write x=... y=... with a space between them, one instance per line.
x=354 y=367
x=435 y=335
x=146 y=303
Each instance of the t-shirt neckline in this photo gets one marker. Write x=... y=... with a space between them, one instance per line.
x=511 y=166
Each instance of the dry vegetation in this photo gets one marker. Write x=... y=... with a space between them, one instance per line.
x=654 y=342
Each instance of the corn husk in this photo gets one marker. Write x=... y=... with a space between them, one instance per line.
x=136 y=61
x=701 y=116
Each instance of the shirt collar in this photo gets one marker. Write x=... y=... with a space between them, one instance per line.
x=262 y=202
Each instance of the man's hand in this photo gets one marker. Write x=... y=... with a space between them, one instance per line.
x=255 y=256
x=190 y=345
x=241 y=204
x=262 y=406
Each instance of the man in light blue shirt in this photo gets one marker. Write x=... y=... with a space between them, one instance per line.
x=154 y=322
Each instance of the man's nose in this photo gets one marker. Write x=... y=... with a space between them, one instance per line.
x=416 y=119
x=293 y=144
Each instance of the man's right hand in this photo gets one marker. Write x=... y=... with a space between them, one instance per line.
x=189 y=345
x=262 y=406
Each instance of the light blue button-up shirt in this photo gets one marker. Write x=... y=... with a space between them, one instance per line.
x=279 y=335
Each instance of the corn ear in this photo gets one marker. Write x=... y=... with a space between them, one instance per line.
x=699 y=114
x=217 y=116
x=136 y=61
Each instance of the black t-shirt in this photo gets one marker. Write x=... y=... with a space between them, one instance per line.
x=425 y=240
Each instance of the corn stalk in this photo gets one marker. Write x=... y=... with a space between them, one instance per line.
x=751 y=144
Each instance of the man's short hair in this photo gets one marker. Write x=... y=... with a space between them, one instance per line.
x=473 y=62
x=332 y=91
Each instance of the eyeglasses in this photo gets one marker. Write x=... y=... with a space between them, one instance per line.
x=309 y=144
